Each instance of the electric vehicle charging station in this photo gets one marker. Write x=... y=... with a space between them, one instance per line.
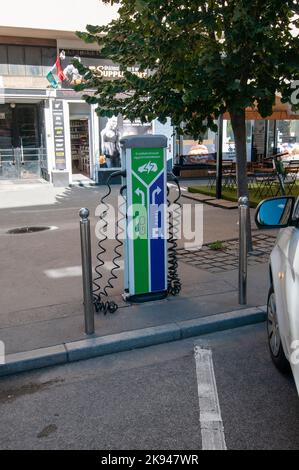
x=150 y=244
x=144 y=163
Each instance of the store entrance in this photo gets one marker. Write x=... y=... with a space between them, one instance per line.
x=80 y=147
x=21 y=146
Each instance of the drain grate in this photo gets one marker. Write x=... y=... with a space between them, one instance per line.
x=25 y=230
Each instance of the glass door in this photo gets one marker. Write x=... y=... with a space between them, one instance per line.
x=27 y=139
x=19 y=142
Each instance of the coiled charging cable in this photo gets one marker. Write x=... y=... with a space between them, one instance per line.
x=174 y=281
x=101 y=296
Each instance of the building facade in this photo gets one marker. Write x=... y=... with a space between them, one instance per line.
x=51 y=132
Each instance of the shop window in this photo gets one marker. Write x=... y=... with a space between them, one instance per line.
x=288 y=136
x=3 y=60
x=229 y=145
x=279 y=136
x=27 y=124
x=111 y=132
x=5 y=128
x=16 y=60
x=285 y=136
x=19 y=126
x=30 y=61
x=191 y=151
x=33 y=61
x=48 y=59
x=295 y=131
x=272 y=143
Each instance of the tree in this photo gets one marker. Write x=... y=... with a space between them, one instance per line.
x=202 y=58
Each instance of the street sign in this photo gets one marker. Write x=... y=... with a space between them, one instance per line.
x=145 y=163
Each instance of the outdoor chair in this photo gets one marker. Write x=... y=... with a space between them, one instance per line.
x=263 y=182
x=212 y=176
x=229 y=176
x=289 y=179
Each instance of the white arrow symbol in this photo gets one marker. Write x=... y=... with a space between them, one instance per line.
x=156 y=193
x=141 y=194
x=149 y=167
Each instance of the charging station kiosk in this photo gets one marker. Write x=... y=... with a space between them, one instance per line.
x=144 y=161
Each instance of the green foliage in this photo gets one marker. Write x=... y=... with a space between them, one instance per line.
x=202 y=57
x=217 y=246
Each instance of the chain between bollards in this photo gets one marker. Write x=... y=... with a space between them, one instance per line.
x=243 y=249
x=89 y=313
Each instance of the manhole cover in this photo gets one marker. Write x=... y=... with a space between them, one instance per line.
x=22 y=230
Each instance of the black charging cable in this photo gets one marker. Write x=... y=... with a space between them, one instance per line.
x=174 y=281
x=101 y=296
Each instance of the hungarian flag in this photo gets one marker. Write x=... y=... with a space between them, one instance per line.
x=56 y=74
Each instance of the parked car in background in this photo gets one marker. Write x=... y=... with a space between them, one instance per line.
x=283 y=299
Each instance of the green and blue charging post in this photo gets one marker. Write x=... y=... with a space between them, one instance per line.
x=144 y=160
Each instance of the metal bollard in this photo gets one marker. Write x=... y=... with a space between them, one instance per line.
x=87 y=271
x=243 y=250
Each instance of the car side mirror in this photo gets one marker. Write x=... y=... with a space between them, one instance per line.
x=275 y=213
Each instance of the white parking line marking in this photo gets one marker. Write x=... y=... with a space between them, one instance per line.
x=76 y=271
x=72 y=271
x=183 y=188
x=212 y=430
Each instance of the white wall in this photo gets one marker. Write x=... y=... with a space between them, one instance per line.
x=61 y=15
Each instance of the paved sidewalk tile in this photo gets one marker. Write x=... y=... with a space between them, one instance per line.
x=227 y=258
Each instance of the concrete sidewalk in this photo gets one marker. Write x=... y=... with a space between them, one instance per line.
x=54 y=335
x=41 y=284
x=204 y=294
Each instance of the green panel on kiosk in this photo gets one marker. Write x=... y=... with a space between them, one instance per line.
x=140 y=224
x=147 y=163
x=146 y=180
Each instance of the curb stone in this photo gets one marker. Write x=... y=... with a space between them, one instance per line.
x=101 y=346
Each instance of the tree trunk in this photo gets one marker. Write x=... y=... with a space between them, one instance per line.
x=238 y=120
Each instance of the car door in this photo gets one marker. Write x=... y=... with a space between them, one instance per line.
x=285 y=265
x=281 y=270
x=292 y=296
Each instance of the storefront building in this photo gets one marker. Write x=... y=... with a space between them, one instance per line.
x=48 y=132
x=53 y=134
x=265 y=137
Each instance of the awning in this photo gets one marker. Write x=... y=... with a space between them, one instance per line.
x=281 y=112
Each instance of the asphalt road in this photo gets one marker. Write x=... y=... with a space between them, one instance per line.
x=148 y=399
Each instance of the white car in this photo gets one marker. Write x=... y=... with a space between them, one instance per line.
x=283 y=300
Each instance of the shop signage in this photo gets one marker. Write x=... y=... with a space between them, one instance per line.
x=111 y=72
x=104 y=67
x=59 y=135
